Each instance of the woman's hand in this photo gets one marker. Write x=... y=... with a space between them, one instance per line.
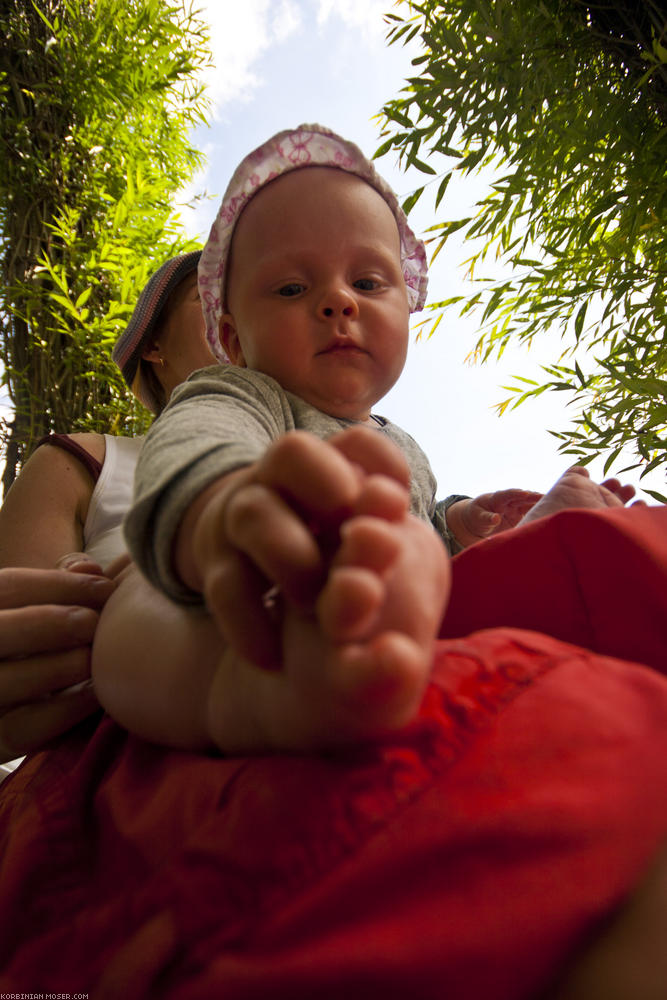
x=47 y=622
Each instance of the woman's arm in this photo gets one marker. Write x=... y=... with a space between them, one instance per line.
x=47 y=616
x=44 y=513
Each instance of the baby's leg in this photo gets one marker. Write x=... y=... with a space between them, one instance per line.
x=575 y=490
x=153 y=664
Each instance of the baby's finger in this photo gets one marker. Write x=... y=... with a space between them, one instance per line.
x=30 y=727
x=79 y=562
x=485 y=523
x=373 y=452
x=478 y=520
x=312 y=474
x=265 y=528
x=234 y=594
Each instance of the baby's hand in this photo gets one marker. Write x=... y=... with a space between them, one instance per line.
x=472 y=520
x=275 y=528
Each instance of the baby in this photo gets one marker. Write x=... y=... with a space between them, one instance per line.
x=270 y=491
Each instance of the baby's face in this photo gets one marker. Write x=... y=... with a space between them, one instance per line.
x=315 y=293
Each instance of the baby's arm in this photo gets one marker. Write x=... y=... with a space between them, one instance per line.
x=276 y=524
x=354 y=625
x=153 y=659
x=338 y=669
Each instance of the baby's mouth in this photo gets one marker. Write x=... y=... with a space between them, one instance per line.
x=342 y=345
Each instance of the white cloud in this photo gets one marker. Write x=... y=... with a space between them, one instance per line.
x=286 y=20
x=241 y=31
x=364 y=14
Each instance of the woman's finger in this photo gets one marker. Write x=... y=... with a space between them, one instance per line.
x=25 y=587
x=35 y=677
x=44 y=628
x=30 y=727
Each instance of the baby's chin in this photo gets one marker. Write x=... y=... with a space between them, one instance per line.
x=356 y=407
x=344 y=411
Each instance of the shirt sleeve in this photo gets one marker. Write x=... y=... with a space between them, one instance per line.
x=439 y=522
x=219 y=420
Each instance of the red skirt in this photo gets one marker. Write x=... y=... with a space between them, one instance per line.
x=470 y=856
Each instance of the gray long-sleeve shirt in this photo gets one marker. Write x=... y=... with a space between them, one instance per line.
x=219 y=420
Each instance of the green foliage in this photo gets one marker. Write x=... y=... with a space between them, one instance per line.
x=566 y=102
x=98 y=99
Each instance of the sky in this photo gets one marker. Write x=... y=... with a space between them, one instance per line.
x=278 y=63
x=282 y=62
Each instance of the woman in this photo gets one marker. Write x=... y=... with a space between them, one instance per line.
x=70 y=498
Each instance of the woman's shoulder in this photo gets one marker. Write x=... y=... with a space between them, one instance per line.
x=94 y=444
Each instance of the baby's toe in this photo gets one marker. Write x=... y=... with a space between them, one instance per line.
x=383 y=681
x=349 y=603
x=368 y=542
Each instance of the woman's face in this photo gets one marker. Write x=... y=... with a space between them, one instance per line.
x=181 y=339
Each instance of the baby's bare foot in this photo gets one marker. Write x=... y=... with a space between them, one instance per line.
x=378 y=615
x=575 y=490
x=355 y=590
x=357 y=667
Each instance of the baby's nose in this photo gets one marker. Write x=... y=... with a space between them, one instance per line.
x=337 y=302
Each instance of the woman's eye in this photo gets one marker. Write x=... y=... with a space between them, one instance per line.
x=294 y=288
x=366 y=284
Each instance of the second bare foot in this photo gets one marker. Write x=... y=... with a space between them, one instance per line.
x=575 y=490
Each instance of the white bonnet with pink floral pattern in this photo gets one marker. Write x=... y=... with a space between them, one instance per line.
x=305 y=146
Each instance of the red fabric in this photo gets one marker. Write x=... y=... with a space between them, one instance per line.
x=594 y=578
x=468 y=857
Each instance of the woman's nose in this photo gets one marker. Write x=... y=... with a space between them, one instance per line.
x=337 y=302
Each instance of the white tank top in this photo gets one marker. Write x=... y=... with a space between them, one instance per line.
x=102 y=532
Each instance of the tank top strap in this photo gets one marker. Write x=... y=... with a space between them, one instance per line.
x=64 y=441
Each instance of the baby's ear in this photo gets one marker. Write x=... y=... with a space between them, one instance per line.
x=230 y=340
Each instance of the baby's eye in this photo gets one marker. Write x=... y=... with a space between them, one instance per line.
x=366 y=284
x=293 y=288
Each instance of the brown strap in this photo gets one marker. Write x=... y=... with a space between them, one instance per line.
x=65 y=442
